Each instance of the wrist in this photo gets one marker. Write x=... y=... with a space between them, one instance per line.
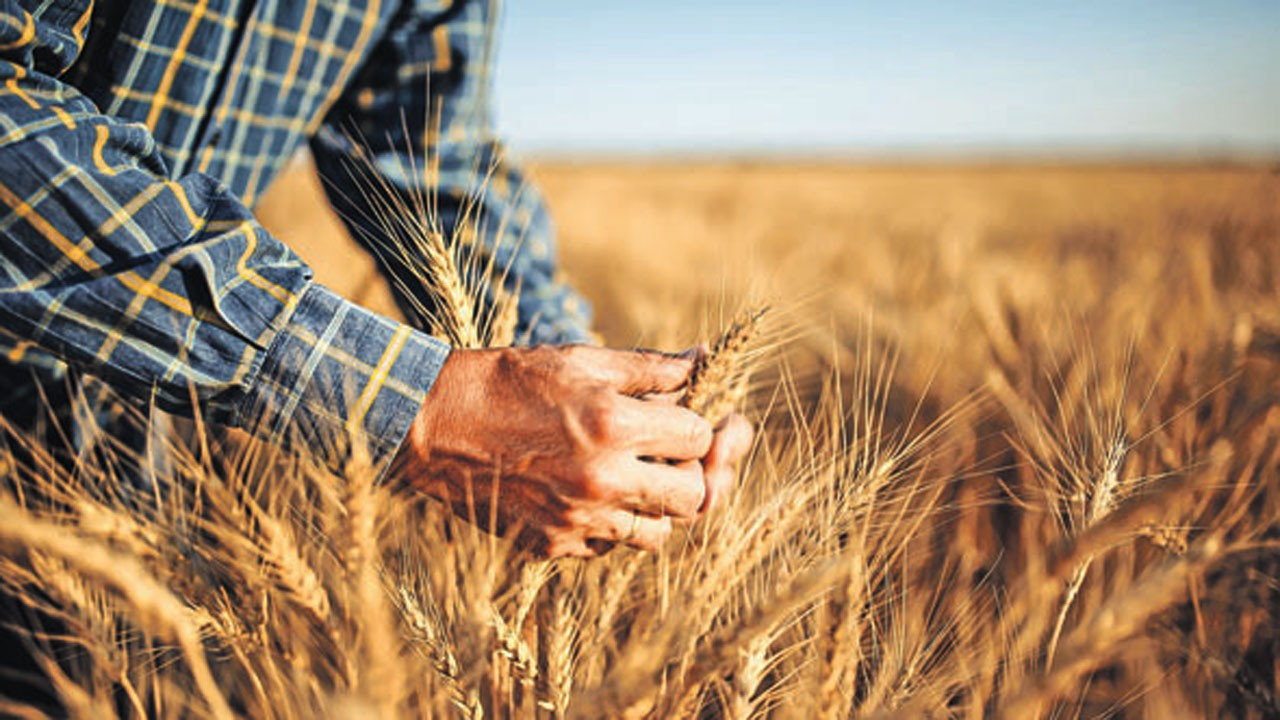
x=444 y=425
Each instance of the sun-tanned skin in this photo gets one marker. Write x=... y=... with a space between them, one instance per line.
x=580 y=447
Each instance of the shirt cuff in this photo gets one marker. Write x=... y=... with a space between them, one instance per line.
x=338 y=377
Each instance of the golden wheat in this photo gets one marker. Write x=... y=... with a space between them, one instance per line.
x=1016 y=392
x=718 y=382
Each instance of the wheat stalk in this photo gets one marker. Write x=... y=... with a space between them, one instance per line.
x=380 y=670
x=628 y=690
x=1111 y=624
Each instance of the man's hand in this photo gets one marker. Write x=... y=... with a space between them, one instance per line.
x=574 y=447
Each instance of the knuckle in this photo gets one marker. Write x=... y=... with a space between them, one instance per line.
x=572 y=519
x=599 y=418
x=596 y=483
x=547 y=358
x=700 y=434
x=671 y=371
x=691 y=497
x=681 y=367
x=651 y=363
x=565 y=543
x=661 y=533
x=573 y=355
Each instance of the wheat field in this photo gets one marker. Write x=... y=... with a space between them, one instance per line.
x=1018 y=456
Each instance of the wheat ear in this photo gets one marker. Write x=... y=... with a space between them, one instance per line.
x=719 y=377
x=1101 y=502
x=439 y=275
x=380 y=675
x=628 y=690
x=278 y=551
x=1117 y=620
x=154 y=606
x=431 y=640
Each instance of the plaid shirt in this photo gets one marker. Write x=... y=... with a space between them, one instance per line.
x=134 y=138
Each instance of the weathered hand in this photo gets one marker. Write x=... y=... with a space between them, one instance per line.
x=566 y=446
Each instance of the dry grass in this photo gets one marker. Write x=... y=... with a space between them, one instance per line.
x=1020 y=459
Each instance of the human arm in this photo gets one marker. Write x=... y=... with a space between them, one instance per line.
x=167 y=287
x=419 y=108
x=499 y=424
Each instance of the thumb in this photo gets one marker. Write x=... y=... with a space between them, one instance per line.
x=695 y=352
x=732 y=441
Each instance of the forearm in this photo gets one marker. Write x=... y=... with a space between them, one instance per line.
x=419 y=111
x=169 y=289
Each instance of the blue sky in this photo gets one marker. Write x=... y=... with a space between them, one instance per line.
x=617 y=76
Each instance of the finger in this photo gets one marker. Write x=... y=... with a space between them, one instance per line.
x=728 y=447
x=542 y=544
x=696 y=352
x=732 y=439
x=671 y=398
x=638 y=531
x=692 y=354
x=665 y=431
x=636 y=372
x=566 y=546
x=660 y=489
x=720 y=484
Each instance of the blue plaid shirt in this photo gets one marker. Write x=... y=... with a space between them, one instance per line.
x=136 y=136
